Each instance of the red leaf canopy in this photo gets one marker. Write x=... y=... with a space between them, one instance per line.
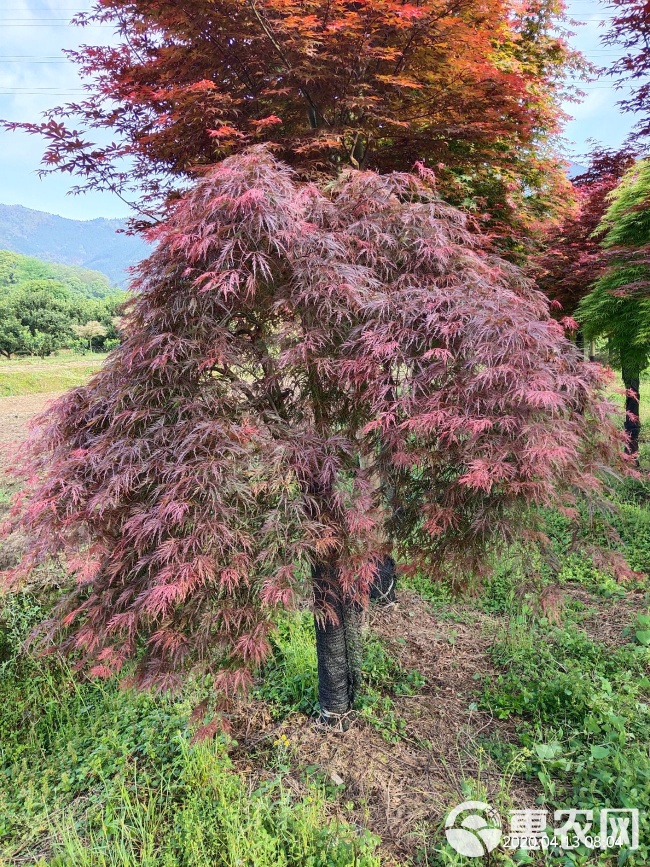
x=471 y=86
x=289 y=346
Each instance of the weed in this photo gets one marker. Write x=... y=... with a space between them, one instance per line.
x=640 y=630
x=95 y=776
x=583 y=716
x=289 y=680
x=206 y=816
x=439 y=593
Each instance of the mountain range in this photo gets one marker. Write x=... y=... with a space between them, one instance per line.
x=94 y=244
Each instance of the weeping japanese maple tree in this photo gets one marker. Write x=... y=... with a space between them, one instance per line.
x=291 y=354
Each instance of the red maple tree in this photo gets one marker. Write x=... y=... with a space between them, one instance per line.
x=471 y=87
x=574 y=259
x=287 y=346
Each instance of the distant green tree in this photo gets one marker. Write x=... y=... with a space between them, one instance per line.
x=103 y=311
x=36 y=318
x=39 y=312
x=618 y=307
x=45 y=308
x=89 y=331
x=14 y=337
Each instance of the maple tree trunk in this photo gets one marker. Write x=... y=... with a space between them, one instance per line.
x=382 y=589
x=631 y=380
x=338 y=644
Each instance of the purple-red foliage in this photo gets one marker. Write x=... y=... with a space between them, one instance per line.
x=286 y=347
x=574 y=258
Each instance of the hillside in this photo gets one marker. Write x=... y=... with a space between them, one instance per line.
x=92 y=244
x=16 y=269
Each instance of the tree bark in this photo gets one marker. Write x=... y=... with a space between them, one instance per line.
x=338 y=645
x=382 y=589
x=632 y=382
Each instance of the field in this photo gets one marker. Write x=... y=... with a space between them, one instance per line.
x=530 y=691
x=57 y=373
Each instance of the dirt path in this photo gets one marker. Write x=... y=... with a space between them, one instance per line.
x=15 y=413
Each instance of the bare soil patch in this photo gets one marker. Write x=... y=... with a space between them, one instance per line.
x=16 y=412
x=606 y=619
x=401 y=791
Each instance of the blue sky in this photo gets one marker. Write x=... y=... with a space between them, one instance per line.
x=597 y=116
x=34 y=75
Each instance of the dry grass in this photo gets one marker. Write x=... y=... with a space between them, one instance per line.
x=401 y=791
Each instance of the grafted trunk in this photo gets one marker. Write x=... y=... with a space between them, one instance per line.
x=338 y=644
x=632 y=382
x=382 y=589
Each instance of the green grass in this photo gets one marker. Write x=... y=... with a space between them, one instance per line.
x=583 y=718
x=97 y=776
x=41 y=375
